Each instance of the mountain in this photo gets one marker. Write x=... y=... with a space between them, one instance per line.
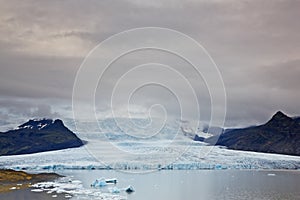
x=38 y=136
x=281 y=134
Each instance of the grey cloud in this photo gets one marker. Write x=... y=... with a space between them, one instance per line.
x=255 y=44
x=284 y=75
x=26 y=108
x=44 y=111
x=14 y=112
x=37 y=77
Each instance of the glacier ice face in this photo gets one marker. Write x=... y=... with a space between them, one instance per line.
x=218 y=158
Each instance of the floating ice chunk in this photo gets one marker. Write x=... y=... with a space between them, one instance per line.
x=76 y=182
x=113 y=180
x=270 y=174
x=129 y=189
x=73 y=188
x=99 y=183
x=114 y=190
x=102 y=182
x=36 y=190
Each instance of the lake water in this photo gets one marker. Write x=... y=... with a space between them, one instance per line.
x=200 y=184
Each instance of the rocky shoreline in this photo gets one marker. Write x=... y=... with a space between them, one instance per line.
x=17 y=183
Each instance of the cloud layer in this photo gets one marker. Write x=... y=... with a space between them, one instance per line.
x=255 y=44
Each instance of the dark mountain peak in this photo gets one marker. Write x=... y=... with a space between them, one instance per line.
x=36 y=124
x=280 y=118
x=279 y=135
x=43 y=124
x=58 y=121
x=39 y=124
x=38 y=135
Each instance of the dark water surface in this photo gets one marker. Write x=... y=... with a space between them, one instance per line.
x=200 y=184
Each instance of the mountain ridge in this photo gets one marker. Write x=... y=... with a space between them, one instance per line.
x=38 y=135
x=281 y=134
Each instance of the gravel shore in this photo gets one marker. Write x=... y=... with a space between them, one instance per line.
x=16 y=185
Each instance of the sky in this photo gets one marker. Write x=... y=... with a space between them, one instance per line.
x=255 y=45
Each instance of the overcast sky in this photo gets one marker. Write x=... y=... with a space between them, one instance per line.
x=256 y=45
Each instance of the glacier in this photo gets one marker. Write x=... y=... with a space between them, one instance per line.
x=218 y=158
x=109 y=146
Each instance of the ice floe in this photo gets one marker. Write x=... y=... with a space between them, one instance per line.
x=73 y=188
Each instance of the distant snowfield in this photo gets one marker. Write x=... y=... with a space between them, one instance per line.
x=120 y=147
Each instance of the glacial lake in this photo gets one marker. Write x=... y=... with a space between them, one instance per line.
x=199 y=184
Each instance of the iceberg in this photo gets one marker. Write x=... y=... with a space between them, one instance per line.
x=115 y=190
x=99 y=183
x=113 y=180
x=102 y=182
x=129 y=189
